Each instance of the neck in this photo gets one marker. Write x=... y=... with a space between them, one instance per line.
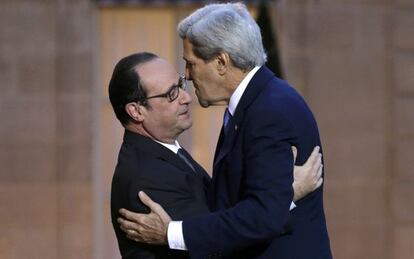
x=234 y=78
x=139 y=129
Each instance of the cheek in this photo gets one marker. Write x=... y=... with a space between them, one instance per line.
x=163 y=114
x=194 y=75
x=170 y=115
x=200 y=72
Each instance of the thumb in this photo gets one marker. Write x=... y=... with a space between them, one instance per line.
x=314 y=156
x=146 y=200
x=154 y=207
x=295 y=154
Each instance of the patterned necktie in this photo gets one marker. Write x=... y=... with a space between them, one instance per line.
x=186 y=158
x=226 y=120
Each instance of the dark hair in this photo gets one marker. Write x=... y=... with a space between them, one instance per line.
x=126 y=86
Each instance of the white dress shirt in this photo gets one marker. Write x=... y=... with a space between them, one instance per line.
x=175 y=230
x=173 y=147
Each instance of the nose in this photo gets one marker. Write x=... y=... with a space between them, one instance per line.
x=185 y=97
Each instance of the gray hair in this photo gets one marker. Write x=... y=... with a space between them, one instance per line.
x=227 y=28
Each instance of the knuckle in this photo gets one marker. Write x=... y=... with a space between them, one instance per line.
x=140 y=229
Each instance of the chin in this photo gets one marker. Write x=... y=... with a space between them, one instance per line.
x=187 y=125
x=203 y=103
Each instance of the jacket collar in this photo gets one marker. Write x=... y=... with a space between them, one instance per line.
x=157 y=150
x=255 y=86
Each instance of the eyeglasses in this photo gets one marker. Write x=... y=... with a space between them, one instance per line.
x=173 y=92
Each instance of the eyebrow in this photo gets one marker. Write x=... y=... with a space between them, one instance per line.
x=176 y=83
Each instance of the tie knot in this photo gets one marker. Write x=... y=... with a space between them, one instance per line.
x=181 y=152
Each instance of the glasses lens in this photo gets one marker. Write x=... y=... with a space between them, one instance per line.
x=173 y=94
x=175 y=91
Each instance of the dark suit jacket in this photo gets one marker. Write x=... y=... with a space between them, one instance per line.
x=144 y=164
x=252 y=182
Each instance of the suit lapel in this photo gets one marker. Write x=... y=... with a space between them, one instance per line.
x=226 y=141
x=255 y=86
x=219 y=143
x=150 y=147
x=159 y=151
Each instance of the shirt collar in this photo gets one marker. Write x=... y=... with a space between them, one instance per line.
x=173 y=147
x=236 y=96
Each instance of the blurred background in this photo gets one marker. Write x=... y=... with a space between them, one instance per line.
x=352 y=60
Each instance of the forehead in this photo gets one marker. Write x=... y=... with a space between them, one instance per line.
x=157 y=75
x=188 y=50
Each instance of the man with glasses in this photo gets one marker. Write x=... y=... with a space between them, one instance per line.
x=149 y=99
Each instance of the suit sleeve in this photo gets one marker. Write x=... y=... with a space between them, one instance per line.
x=267 y=192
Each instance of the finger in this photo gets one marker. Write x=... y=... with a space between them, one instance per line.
x=319 y=178
x=125 y=225
x=136 y=239
x=295 y=153
x=132 y=233
x=316 y=166
x=147 y=200
x=132 y=216
x=315 y=154
x=123 y=229
x=155 y=207
x=319 y=183
x=320 y=170
x=317 y=174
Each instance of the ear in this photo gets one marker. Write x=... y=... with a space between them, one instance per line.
x=223 y=62
x=135 y=111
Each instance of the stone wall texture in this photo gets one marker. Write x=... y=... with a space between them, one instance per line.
x=46 y=129
x=352 y=60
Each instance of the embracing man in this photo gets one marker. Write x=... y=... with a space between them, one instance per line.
x=250 y=195
x=149 y=99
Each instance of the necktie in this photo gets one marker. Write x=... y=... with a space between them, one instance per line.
x=226 y=120
x=186 y=158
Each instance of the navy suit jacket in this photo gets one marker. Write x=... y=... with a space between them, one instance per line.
x=252 y=182
x=144 y=164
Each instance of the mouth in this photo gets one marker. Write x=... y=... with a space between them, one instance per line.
x=186 y=112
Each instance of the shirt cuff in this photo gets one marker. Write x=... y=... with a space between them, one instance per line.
x=292 y=206
x=175 y=236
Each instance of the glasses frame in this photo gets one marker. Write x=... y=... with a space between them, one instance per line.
x=172 y=93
